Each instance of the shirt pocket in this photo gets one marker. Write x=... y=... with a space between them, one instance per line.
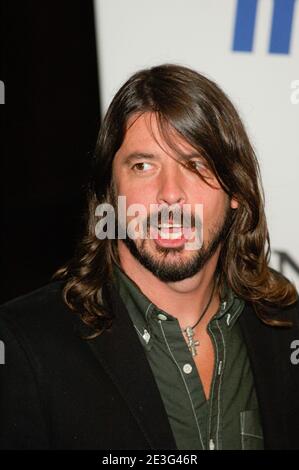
x=251 y=430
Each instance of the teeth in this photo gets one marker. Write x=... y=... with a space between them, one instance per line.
x=169 y=226
x=165 y=233
x=172 y=231
x=170 y=235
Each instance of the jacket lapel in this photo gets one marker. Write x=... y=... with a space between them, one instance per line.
x=269 y=353
x=121 y=354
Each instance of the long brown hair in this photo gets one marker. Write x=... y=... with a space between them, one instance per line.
x=199 y=111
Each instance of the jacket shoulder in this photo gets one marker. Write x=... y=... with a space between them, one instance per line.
x=38 y=309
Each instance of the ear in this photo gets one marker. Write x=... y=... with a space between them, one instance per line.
x=234 y=204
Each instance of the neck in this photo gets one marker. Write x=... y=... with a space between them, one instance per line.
x=186 y=299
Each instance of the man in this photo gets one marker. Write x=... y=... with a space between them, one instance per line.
x=148 y=341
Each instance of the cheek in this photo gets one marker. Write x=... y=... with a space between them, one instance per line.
x=133 y=197
x=121 y=185
x=135 y=194
x=214 y=209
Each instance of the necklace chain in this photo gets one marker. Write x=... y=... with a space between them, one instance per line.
x=204 y=311
x=189 y=330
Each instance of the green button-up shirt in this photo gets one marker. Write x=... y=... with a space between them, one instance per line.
x=230 y=418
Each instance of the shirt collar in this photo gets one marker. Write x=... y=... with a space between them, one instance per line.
x=142 y=309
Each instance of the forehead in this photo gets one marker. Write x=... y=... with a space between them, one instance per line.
x=144 y=130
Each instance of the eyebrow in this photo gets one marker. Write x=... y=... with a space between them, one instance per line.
x=150 y=156
x=137 y=156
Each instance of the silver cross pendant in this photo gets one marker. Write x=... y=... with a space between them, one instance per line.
x=191 y=343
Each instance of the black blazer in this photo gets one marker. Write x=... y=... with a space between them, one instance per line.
x=58 y=391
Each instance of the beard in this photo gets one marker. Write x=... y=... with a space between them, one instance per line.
x=168 y=263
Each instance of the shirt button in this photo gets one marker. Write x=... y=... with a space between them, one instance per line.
x=187 y=368
x=161 y=316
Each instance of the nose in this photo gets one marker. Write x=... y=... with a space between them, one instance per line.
x=171 y=185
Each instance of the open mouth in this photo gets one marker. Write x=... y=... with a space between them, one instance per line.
x=169 y=231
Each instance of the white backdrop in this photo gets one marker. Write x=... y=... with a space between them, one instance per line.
x=134 y=34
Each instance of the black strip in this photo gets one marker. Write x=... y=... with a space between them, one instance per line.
x=52 y=114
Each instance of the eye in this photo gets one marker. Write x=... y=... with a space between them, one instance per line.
x=197 y=164
x=200 y=167
x=141 y=167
